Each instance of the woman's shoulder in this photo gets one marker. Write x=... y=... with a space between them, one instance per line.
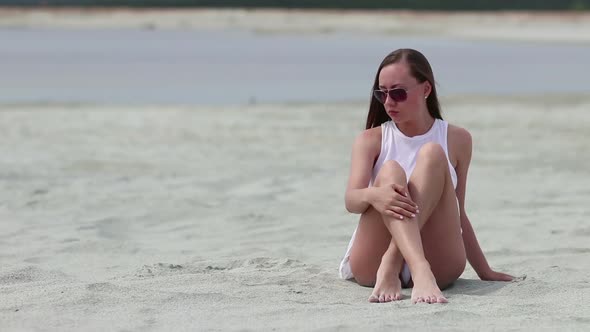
x=458 y=133
x=369 y=139
x=459 y=139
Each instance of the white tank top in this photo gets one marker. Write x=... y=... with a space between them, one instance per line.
x=403 y=149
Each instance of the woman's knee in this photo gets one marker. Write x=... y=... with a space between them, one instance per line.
x=452 y=275
x=391 y=171
x=433 y=153
x=447 y=271
x=364 y=275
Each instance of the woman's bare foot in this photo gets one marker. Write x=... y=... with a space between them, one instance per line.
x=387 y=286
x=425 y=288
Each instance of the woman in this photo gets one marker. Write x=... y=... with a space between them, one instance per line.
x=407 y=180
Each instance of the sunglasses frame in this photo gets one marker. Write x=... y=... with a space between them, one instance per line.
x=387 y=92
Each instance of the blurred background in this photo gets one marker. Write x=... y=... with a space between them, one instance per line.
x=342 y=4
x=255 y=53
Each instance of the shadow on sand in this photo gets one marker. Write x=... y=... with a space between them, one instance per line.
x=477 y=287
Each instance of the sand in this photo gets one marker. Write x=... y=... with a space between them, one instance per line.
x=232 y=218
x=147 y=218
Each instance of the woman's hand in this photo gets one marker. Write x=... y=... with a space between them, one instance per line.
x=394 y=200
x=495 y=276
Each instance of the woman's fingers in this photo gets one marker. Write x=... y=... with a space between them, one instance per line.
x=406 y=200
x=400 y=213
x=393 y=214
x=505 y=277
x=404 y=196
x=403 y=212
x=407 y=207
x=401 y=190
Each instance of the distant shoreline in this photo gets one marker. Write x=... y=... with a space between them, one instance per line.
x=542 y=26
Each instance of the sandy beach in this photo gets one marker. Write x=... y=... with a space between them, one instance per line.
x=225 y=218
x=232 y=218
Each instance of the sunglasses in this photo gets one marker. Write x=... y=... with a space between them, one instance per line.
x=396 y=94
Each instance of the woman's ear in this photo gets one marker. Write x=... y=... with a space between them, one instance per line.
x=427 y=89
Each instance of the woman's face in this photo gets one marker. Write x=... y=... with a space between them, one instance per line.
x=397 y=75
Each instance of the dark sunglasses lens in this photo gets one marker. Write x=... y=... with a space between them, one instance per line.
x=379 y=95
x=398 y=95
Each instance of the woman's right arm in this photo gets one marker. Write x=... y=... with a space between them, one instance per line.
x=393 y=200
x=365 y=150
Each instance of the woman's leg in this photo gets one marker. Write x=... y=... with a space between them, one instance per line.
x=440 y=258
x=431 y=188
x=375 y=260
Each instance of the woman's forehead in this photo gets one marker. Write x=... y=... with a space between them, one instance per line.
x=395 y=74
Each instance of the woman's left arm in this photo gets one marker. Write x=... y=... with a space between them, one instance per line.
x=461 y=142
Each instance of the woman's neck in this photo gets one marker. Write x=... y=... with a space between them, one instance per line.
x=415 y=127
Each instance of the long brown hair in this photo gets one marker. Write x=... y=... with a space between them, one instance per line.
x=420 y=69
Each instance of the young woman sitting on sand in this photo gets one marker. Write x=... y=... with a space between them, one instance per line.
x=407 y=180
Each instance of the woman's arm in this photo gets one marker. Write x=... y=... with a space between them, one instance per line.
x=461 y=142
x=365 y=150
x=393 y=200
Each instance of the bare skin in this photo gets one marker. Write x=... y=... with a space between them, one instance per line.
x=416 y=221
x=439 y=242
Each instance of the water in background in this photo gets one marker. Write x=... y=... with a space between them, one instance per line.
x=133 y=66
